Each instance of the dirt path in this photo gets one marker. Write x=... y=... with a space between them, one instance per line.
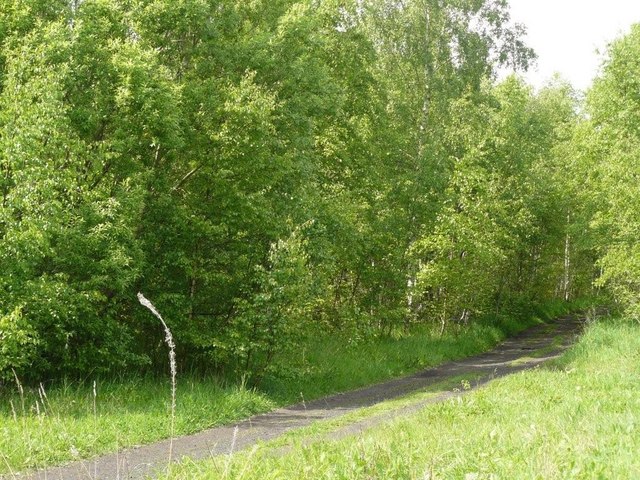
x=527 y=350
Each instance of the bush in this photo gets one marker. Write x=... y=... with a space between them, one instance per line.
x=18 y=342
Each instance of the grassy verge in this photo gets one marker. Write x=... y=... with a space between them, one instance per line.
x=331 y=364
x=68 y=422
x=576 y=418
x=38 y=430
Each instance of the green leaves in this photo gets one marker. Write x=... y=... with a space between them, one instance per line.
x=18 y=343
x=176 y=147
x=610 y=142
x=277 y=315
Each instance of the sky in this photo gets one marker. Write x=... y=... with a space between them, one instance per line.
x=566 y=35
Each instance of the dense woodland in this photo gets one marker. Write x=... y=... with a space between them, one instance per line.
x=268 y=170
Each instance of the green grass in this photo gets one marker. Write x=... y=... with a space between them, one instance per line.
x=37 y=432
x=331 y=364
x=326 y=427
x=576 y=418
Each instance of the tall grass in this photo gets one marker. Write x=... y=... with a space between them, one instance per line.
x=128 y=411
x=172 y=366
x=576 y=418
x=328 y=364
x=85 y=419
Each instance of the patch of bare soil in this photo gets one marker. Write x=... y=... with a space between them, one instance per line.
x=524 y=351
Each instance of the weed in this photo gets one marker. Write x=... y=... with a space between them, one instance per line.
x=172 y=366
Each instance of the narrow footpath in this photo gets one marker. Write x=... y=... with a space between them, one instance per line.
x=524 y=351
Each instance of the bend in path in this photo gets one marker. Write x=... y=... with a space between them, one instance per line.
x=513 y=355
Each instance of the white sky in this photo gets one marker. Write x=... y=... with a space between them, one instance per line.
x=566 y=34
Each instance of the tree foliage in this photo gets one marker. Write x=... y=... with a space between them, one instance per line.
x=266 y=170
x=609 y=145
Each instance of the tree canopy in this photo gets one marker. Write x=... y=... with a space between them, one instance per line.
x=267 y=170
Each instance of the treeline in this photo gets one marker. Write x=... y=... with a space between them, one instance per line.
x=606 y=162
x=269 y=169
